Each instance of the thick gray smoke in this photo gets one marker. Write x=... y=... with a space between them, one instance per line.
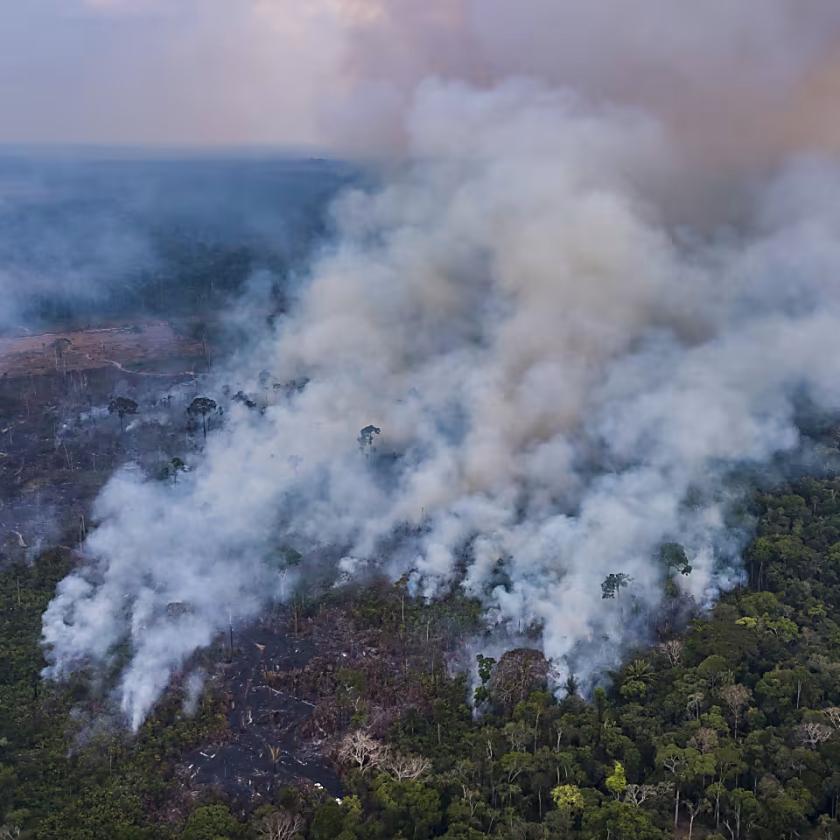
x=563 y=381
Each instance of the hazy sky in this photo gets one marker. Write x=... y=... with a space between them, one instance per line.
x=163 y=71
x=724 y=73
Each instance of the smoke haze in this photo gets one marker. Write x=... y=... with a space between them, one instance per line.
x=738 y=83
x=85 y=236
x=565 y=374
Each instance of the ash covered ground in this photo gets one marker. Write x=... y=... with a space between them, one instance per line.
x=289 y=684
x=61 y=443
x=64 y=438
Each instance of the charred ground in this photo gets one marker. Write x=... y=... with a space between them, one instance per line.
x=280 y=692
x=727 y=727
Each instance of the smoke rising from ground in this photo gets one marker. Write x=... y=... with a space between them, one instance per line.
x=564 y=380
x=564 y=390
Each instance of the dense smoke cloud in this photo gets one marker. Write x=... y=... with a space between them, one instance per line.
x=564 y=380
x=564 y=390
x=732 y=80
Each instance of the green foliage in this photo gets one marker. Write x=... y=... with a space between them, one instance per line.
x=212 y=822
x=52 y=785
x=637 y=675
x=717 y=735
x=614 y=583
x=328 y=821
x=485 y=671
x=712 y=736
x=673 y=558
x=616 y=782
x=620 y=821
x=567 y=798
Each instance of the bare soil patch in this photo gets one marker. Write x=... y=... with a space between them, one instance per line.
x=142 y=348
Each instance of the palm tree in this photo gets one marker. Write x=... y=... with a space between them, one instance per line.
x=202 y=406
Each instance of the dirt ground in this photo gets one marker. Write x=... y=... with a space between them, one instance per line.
x=58 y=442
x=141 y=348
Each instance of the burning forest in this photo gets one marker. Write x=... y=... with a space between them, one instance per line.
x=466 y=468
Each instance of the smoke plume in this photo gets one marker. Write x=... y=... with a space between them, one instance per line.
x=565 y=375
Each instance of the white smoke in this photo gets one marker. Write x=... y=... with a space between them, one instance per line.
x=563 y=382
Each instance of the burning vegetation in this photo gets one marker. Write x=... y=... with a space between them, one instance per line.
x=489 y=490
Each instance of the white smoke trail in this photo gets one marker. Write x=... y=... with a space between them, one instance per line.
x=562 y=384
x=553 y=375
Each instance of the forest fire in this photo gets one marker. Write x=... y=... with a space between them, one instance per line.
x=458 y=458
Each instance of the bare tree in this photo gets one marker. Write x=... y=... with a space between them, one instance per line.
x=833 y=715
x=694 y=809
x=280 y=825
x=675 y=762
x=694 y=704
x=737 y=698
x=812 y=735
x=704 y=740
x=59 y=347
x=403 y=767
x=636 y=794
x=275 y=753
x=517 y=674
x=673 y=650
x=122 y=406
x=201 y=407
x=361 y=749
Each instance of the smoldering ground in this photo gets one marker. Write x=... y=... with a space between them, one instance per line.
x=565 y=374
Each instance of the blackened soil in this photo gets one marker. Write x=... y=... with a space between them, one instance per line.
x=59 y=445
x=263 y=750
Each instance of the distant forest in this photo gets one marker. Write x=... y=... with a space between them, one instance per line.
x=89 y=239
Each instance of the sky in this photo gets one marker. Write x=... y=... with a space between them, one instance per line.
x=186 y=72
x=340 y=73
